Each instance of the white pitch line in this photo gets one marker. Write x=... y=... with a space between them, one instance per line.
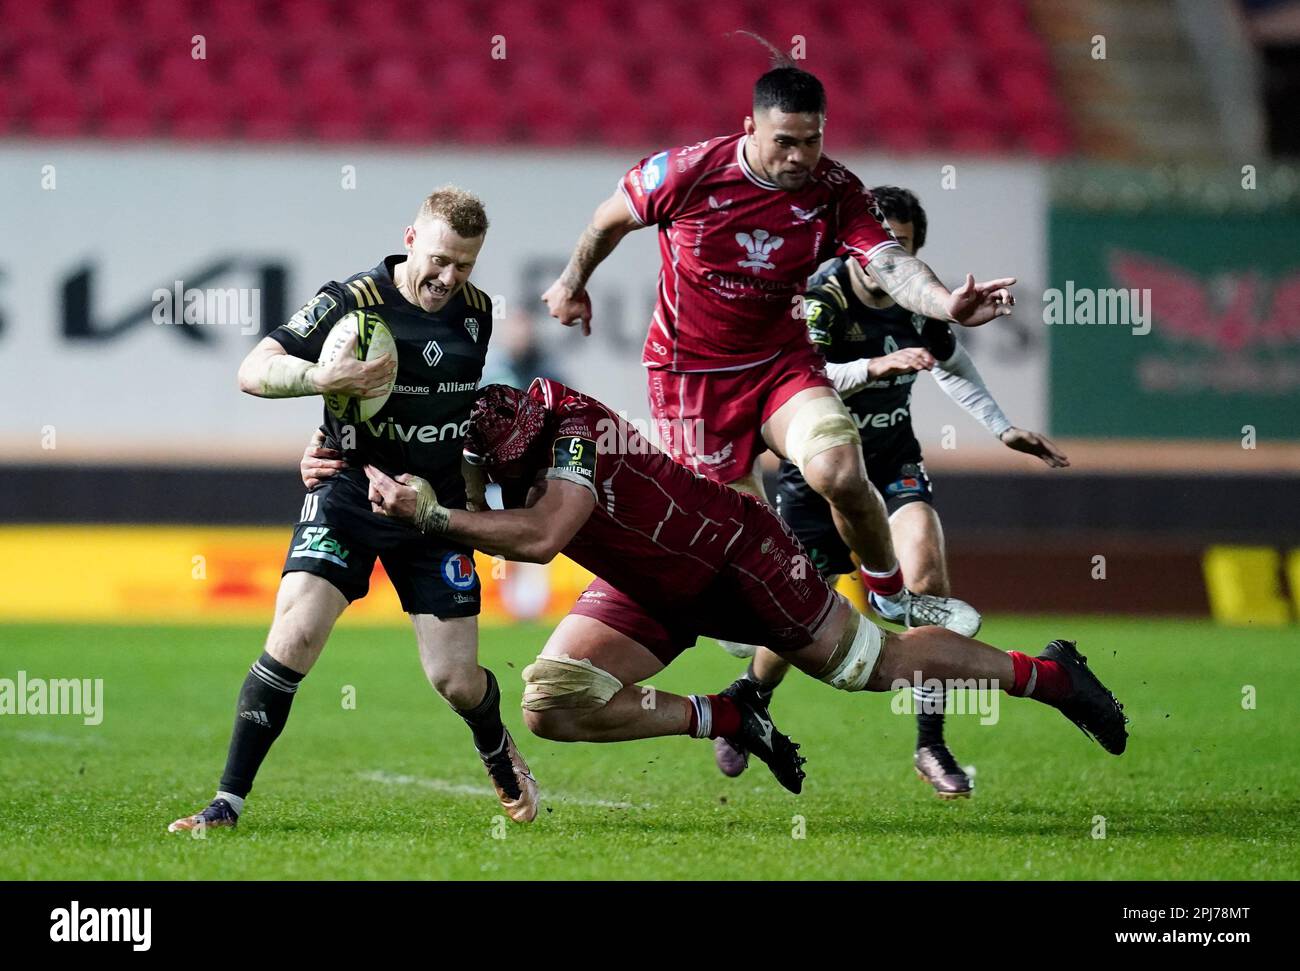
x=461 y=789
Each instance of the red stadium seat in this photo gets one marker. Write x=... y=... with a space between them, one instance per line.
x=194 y=105
x=124 y=105
x=334 y=108
x=905 y=75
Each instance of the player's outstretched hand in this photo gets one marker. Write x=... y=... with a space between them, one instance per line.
x=350 y=376
x=406 y=497
x=972 y=304
x=568 y=307
x=318 y=462
x=1032 y=443
x=902 y=361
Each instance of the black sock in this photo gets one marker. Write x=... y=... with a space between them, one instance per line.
x=264 y=702
x=484 y=719
x=929 y=728
x=765 y=690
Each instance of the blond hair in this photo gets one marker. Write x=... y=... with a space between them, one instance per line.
x=461 y=210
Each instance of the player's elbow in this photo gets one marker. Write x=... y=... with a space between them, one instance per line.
x=541 y=549
x=247 y=378
x=251 y=371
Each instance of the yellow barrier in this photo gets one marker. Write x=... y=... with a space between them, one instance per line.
x=1242 y=582
x=1293 y=578
x=180 y=574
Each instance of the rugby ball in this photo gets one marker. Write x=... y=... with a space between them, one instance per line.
x=374 y=340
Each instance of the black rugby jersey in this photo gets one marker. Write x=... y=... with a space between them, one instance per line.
x=845 y=329
x=422 y=426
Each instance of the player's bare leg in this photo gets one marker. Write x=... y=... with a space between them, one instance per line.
x=918 y=537
x=306 y=608
x=583 y=688
x=816 y=432
x=853 y=654
x=449 y=656
x=631 y=712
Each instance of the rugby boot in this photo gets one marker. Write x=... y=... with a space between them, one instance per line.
x=922 y=610
x=218 y=814
x=936 y=765
x=1090 y=705
x=759 y=736
x=515 y=785
x=731 y=760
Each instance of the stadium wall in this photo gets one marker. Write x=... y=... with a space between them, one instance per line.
x=111 y=234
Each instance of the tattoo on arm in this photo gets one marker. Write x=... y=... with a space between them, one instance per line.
x=594 y=245
x=911 y=283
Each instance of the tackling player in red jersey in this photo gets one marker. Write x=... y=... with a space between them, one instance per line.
x=677 y=556
x=743 y=221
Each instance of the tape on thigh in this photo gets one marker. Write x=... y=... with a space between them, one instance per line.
x=819 y=424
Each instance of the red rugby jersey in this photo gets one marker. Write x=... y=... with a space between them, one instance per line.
x=737 y=250
x=658 y=531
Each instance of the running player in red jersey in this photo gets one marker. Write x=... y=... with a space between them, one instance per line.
x=677 y=556
x=743 y=221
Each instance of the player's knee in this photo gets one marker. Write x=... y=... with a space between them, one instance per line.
x=566 y=685
x=462 y=689
x=815 y=438
x=837 y=476
x=291 y=644
x=854 y=662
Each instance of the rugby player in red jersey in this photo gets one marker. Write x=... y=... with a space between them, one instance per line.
x=743 y=221
x=677 y=556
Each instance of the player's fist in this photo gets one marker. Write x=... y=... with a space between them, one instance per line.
x=1032 y=443
x=903 y=361
x=358 y=379
x=569 y=307
x=972 y=304
x=318 y=462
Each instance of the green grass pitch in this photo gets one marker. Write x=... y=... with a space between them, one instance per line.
x=392 y=789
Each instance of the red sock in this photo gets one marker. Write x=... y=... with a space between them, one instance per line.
x=886 y=585
x=721 y=713
x=1036 y=678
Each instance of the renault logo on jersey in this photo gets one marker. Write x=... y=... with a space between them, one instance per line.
x=432 y=353
x=759 y=245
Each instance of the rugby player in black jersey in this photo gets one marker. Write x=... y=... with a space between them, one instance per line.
x=874 y=351
x=441 y=324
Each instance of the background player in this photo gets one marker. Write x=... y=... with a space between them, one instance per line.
x=676 y=556
x=874 y=350
x=427 y=301
x=743 y=221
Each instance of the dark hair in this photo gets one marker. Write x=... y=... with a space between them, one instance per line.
x=791 y=90
x=786 y=87
x=903 y=205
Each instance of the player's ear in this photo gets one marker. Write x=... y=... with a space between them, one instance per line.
x=750 y=127
x=409 y=237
